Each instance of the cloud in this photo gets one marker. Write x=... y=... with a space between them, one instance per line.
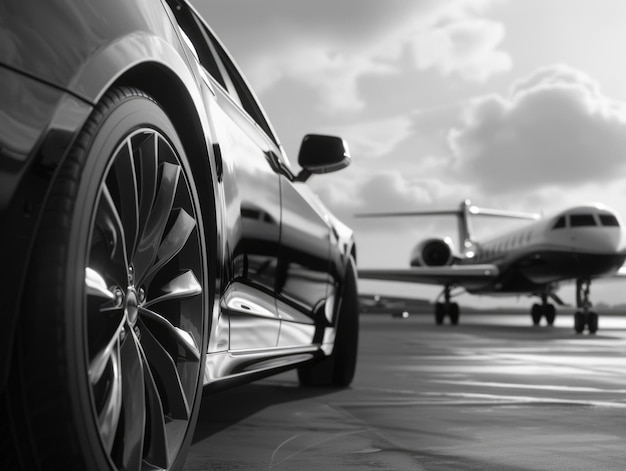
x=375 y=139
x=468 y=47
x=332 y=74
x=329 y=45
x=428 y=145
x=359 y=190
x=555 y=127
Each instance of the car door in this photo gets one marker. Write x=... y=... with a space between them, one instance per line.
x=304 y=285
x=250 y=188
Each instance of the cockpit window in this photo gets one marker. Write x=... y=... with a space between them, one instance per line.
x=560 y=223
x=608 y=220
x=579 y=220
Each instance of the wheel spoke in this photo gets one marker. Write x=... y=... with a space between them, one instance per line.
x=146 y=163
x=109 y=222
x=184 y=285
x=101 y=359
x=157 y=221
x=164 y=368
x=133 y=398
x=109 y=416
x=174 y=241
x=180 y=337
x=96 y=286
x=124 y=170
x=157 y=451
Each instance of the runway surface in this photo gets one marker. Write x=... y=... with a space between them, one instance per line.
x=493 y=393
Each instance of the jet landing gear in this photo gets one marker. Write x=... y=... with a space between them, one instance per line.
x=446 y=308
x=545 y=309
x=584 y=317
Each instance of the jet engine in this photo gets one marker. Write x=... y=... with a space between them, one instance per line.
x=432 y=253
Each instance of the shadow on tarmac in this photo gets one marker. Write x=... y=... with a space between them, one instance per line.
x=220 y=410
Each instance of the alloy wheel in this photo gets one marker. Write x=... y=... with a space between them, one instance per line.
x=144 y=304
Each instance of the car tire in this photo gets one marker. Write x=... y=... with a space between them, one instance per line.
x=110 y=350
x=339 y=367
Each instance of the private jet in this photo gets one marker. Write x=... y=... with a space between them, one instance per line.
x=579 y=244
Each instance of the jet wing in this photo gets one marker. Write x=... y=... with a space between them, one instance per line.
x=449 y=275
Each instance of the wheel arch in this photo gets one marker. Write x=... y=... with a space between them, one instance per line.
x=173 y=95
x=159 y=68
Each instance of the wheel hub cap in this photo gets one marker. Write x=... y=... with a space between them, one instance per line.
x=131 y=305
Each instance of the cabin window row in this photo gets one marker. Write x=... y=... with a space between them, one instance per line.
x=497 y=248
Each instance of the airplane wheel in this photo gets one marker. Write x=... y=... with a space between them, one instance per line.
x=550 y=313
x=535 y=313
x=454 y=313
x=579 y=322
x=592 y=322
x=439 y=313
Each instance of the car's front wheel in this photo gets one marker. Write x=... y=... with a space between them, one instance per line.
x=109 y=363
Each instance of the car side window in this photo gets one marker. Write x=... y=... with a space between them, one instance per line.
x=235 y=83
x=218 y=64
x=194 y=32
x=246 y=96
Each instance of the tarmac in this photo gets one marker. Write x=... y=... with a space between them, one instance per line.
x=492 y=393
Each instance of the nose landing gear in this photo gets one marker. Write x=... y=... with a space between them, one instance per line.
x=545 y=309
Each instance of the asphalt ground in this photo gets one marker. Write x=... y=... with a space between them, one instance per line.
x=493 y=393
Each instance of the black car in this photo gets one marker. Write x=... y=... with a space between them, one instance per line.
x=155 y=243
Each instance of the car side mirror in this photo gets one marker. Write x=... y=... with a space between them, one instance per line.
x=322 y=154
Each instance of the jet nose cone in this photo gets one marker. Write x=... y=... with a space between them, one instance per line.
x=597 y=240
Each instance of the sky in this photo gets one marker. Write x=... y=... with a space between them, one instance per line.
x=517 y=105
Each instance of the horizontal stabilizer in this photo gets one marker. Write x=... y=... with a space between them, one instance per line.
x=472 y=210
x=475 y=210
x=451 y=212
